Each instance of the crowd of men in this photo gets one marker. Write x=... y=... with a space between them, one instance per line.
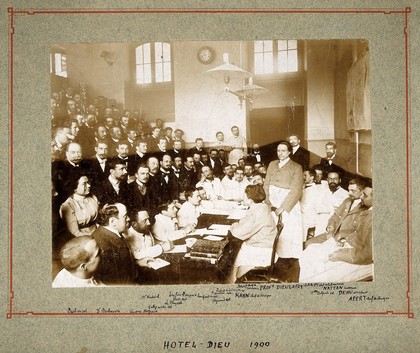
x=150 y=188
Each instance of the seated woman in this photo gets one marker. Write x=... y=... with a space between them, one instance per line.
x=80 y=210
x=258 y=231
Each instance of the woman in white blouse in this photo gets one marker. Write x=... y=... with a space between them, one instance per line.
x=80 y=210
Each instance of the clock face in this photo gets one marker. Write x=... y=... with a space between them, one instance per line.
x=205 y=55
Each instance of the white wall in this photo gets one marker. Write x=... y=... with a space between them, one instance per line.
x=201 y=109
x=320 y=59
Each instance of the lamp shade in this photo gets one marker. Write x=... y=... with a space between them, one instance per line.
x=228 y=72
x=251 y=90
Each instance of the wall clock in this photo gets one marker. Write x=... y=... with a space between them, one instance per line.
x=205 y=55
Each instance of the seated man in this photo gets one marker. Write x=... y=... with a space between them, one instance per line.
x=236 y=189
x=346 y=256
x=141 y=241
x=166 y=224
x=310 y=195
x=117 y=265
x=189 y=212
x=211 y=184
x=80 y=257
x=329 y=200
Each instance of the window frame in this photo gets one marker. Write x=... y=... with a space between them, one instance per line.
x=153 y=65
x=276 y=74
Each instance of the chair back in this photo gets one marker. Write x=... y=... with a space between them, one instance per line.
x=280 y=226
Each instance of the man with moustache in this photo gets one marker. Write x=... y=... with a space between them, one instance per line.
x=167 y=182
x=347 y=254
x=98 y=166
x=299 y=154
x=140 y=192
x=188 y=176
x=330 y=199
x=114 y=188
x=211 y=185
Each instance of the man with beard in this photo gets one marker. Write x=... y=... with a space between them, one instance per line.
x=188 y=174
x=117 y=266
x=115 y=137
x=141 y=241
x=228 y=176
x=330 y=199
x=215 y=163
x=114 y=188
x=123 y=154
x=347 y=254
x=299 y=154
x=167 y=182
x=343 y=216
x=211 y=185
x=333 y=162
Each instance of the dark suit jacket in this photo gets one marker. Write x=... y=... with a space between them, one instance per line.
x=167 y=190
x=106 y=194
x=138 y=201
x=339 y=165
x=116 y=265
x=301 y=156
x=217 y=168
x=86 y=138
x=187 y=178
x=96 y=174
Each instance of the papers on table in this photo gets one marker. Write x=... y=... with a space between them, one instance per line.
x=216 y=211
x=177 y=249
x=220 y=227
x=213 y=237
x=158 y=263
x=204 y=231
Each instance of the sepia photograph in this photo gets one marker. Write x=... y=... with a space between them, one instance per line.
x=211 y=162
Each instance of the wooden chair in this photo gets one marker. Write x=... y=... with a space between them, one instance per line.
x=264 y=274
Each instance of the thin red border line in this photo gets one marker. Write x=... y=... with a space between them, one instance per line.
x=233 y=314
x=408 y=168
x=11 y=32
x=11 y=11
x=208 y=10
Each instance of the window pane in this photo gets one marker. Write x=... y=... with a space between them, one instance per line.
x=268 y=63
x=292 y=63
x=292 y=44
x=282 y=44
x=167 y=72
x=158 y=52
x=258 y=46
x=51 y=64
x=147 y=73
x=268 y=45
x=139 y=74
x=282 y=61
x=57 y=63
x=166 y=52
x=159 y=72
x=259 y=63
x=139 y=55
x=146 y=53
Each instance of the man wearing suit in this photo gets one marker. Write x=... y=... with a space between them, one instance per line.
x=140 y=156
x=299 y=154
x=117 y=265
x=98 y=166
x=188 y=176
x=86 y=135
x=114 y=188
x=332 y=162
x=64 y=170
x=167 y=182
x=198 y=148
x=140 y=193
x=215 y=163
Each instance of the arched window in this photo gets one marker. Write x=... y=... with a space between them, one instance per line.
x=153 y=63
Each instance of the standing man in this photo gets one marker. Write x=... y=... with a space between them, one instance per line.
x=333 y=162
x=237 y=144
x=299 y=154
x=117 y=266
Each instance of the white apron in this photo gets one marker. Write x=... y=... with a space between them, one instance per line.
x=291 y=238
